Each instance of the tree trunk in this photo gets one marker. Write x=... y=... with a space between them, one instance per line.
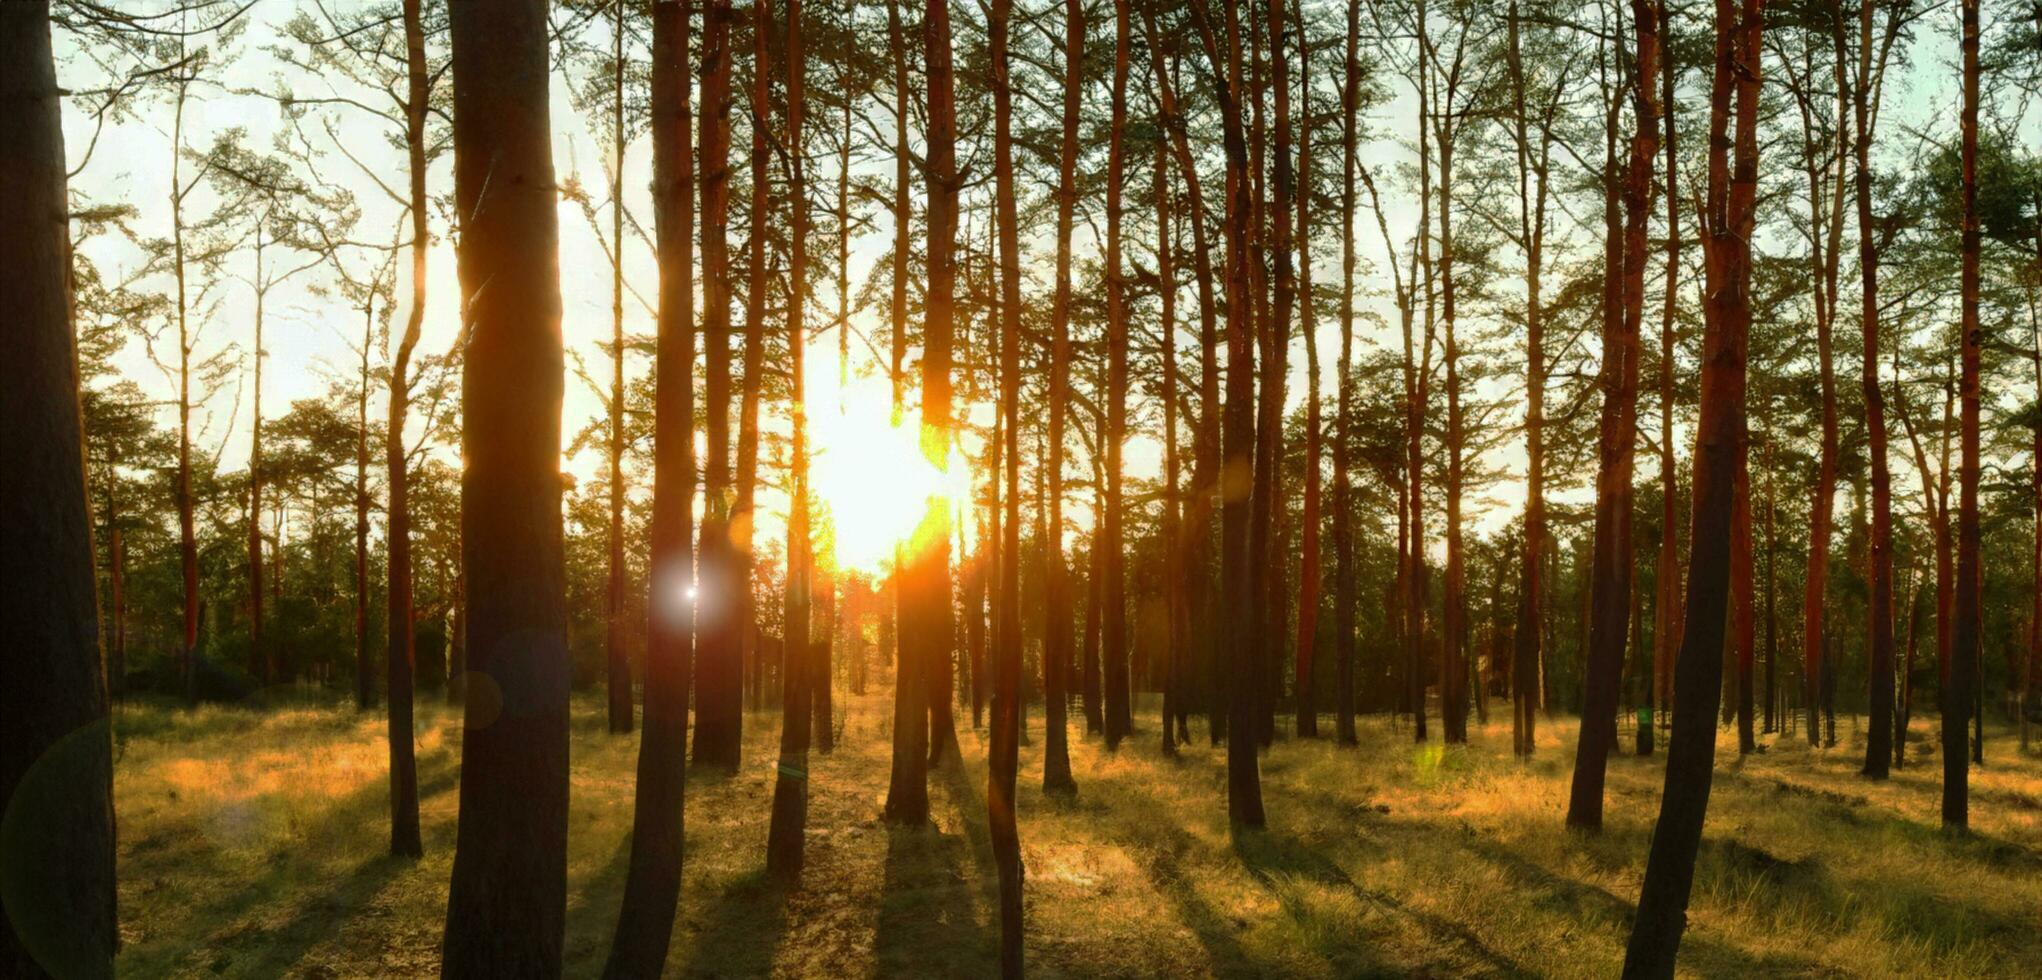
x=1691 y=753
x=508 y=901
x=1308 y=550
x=1343 y=416
x=1624 y=298
x=1113 y=591
x=1879 y=743
x=402 y=669
x=56 y=750
x=1743 y=586
x=1206 y=470
x=187 y=539
x=1965 y=619
x=1666 y=607
x=1056 y=632
x=616 y=659
x=1531 y=589
x=719 y=695
x=1002 y=757
x=1178 y=629
x=1244 y=781
x=907 y=798
x=259 y=665
x=926 y=627
x=365 y=687
x=652 y=885
x=742 y=519
x=785 y=852
x=1823 y=261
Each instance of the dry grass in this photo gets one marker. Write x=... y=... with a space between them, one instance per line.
x=252 y=844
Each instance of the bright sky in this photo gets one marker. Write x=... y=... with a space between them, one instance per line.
x=308 y=336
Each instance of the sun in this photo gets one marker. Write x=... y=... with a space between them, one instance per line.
x=868 y=475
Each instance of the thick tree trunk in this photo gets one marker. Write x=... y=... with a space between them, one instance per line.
x=719 y=678
x=1002 y=757
x=1243 y=673
x=785 y=851
x=926 y=626
x=1531 y=588
x=652 y=885
x=1056 y=627
x=1965 y=618
x=743 y=512
x=907 y=796
x=1624 y=295
x=1691 y=753
x=56 y=749
x=1879 y=743
x=507 y=905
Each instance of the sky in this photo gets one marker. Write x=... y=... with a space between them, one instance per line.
x=308 y=336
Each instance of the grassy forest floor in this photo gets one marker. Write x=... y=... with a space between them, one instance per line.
x=252 y=843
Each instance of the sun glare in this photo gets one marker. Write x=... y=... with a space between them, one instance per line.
x=870 y=479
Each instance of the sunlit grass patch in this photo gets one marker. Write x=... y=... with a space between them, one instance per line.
x=253 y=843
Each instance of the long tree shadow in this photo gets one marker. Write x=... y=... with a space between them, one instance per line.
x=1270 y=854
x=326 y=906
x=592 y=908
x=744 y=934
x=934 y=920
x=1164 y=861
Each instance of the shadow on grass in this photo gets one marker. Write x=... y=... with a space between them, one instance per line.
x=233 y=927
x=744 y=934
x=929 y=923
x=593 y=906
x=1268 y=854
x=939 y=890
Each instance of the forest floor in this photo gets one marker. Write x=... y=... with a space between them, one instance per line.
x=252 y=843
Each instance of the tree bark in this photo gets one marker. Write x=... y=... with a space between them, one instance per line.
x=260 y=666
x=784 y=838
x=616 y=658
x=1056 y=642
x=1207 y=465
x=1610 y=588
x=743 y=513
x=1666 y=607
x=1531 y=589
x=719 y=678
x=56 y=749
x=652 y=883
x=365 y=685
x=1879 y=743
x=1003 y=756
x=507 y=905
x=404 y=835
x=1965 y=619
x=1244 y=781
x=1728 y=223
x=1113 y=597
x=1343 y=413
x=1178 y=628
